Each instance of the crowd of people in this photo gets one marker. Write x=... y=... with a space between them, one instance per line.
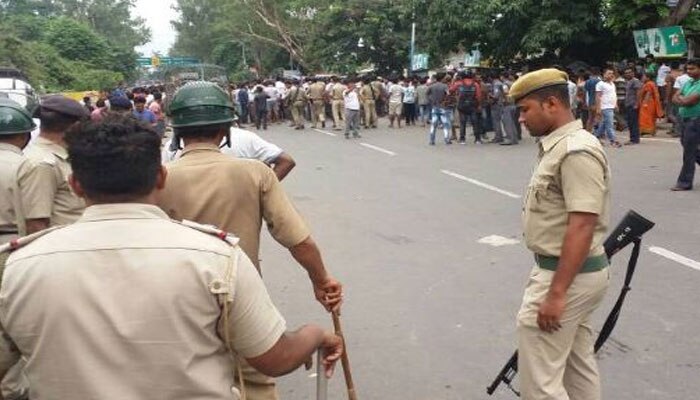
x=89 y=207
x=623 y=96
x=88 y=223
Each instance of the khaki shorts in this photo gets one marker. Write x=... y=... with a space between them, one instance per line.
x=395 y=108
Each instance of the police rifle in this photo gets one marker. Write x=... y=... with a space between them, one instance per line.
x=630 y=230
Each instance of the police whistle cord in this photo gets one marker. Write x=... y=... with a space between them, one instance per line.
x=345 y=361
x=630 y=230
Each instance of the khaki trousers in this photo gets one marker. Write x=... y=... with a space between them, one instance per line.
x=338 y=107
x=560 y=365
x=370 y=107
x=298 y=114
x=318 y=112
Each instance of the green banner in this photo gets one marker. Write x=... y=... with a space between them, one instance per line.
x=148 y=61
x=668 y=41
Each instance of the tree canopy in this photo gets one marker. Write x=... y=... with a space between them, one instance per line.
x=71 y=44
x=323 y=35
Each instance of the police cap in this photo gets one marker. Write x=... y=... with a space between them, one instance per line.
x=63 y=105
x=536 y=80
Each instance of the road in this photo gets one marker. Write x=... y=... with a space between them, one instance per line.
x=430 y=311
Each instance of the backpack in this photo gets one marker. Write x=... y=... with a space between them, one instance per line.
x=466 y=97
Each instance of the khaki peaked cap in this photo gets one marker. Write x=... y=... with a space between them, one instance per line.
x=536 y=80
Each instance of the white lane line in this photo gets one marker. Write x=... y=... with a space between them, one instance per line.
x=379 y=149
x=497 y=241
x=324 y=132
x=481 y=184
x=674 y=141
x=675 y=257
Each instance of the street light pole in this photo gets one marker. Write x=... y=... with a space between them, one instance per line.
x=413 y=40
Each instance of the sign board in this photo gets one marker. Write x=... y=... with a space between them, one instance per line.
x=419 y=62
x=156 y=61
x=668 y=41
x=472 y=59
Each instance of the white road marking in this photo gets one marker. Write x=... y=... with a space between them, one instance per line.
x=675 y=257
x=674 y=141
x=481 y=184
x=497 y=241
x=377 y=148
x=324 y=132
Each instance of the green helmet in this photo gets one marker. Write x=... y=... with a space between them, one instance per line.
x=200 y=103
x=14 y=119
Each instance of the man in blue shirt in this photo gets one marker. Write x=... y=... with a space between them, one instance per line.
x=141 y=113
x=589 y=88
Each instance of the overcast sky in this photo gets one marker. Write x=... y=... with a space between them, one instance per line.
x=158 y=14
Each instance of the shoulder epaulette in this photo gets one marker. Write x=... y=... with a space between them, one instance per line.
x=25 y=240
x=211 y=230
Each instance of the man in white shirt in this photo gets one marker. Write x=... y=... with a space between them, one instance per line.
x=606 y=105
x=396 y=91
x=246 y=144
x=352 y=110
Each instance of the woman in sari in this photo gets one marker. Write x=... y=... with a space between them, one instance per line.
x=649 y=105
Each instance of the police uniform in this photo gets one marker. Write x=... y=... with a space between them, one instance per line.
x=296 y=98
x=571 y=175
x=138 y=299
x=317 y=92
x=209 y=187
x=14 y=120
x=338 y=104
x=44 y=177
x=370 y=93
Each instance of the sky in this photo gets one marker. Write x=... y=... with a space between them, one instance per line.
x=158 y=14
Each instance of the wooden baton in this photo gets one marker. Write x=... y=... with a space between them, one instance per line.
x=345 y=361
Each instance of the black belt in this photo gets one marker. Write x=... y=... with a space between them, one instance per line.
x=9 y=232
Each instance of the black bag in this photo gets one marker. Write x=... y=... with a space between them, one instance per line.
x=466 y=97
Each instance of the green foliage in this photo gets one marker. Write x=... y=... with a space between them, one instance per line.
x=71 y=44
x=76 y=41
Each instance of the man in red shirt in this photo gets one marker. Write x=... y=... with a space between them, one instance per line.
x=156 y=108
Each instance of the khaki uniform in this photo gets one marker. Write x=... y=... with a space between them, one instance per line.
x=370 y=93
x=317 y=93
x=297 y=101
x=44 y=184
x=572 y=175
x=338 y=104
x=139 y=299
x=11 y=215
x=236 y=195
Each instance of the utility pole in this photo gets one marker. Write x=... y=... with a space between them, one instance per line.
x=413 y=39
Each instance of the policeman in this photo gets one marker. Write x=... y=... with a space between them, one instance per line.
x=317 y=93
x=149 y=308
x=16 y=125
x=338 y=106
x=46 y=195
x=209 y=187
x=369 y=94
x=296 y=100
x=565 y=218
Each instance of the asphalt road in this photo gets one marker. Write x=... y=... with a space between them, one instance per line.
x=430 y=311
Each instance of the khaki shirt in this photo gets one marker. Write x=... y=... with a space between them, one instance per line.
x=337 y=91
x=235 y=195
x=44 y=184
x=571 y=175
x=317 y=90
x=120 y=305
x=296 y=95
x=11 y=215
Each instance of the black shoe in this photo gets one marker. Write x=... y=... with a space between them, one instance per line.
x=504 y=143
x=680 y=188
